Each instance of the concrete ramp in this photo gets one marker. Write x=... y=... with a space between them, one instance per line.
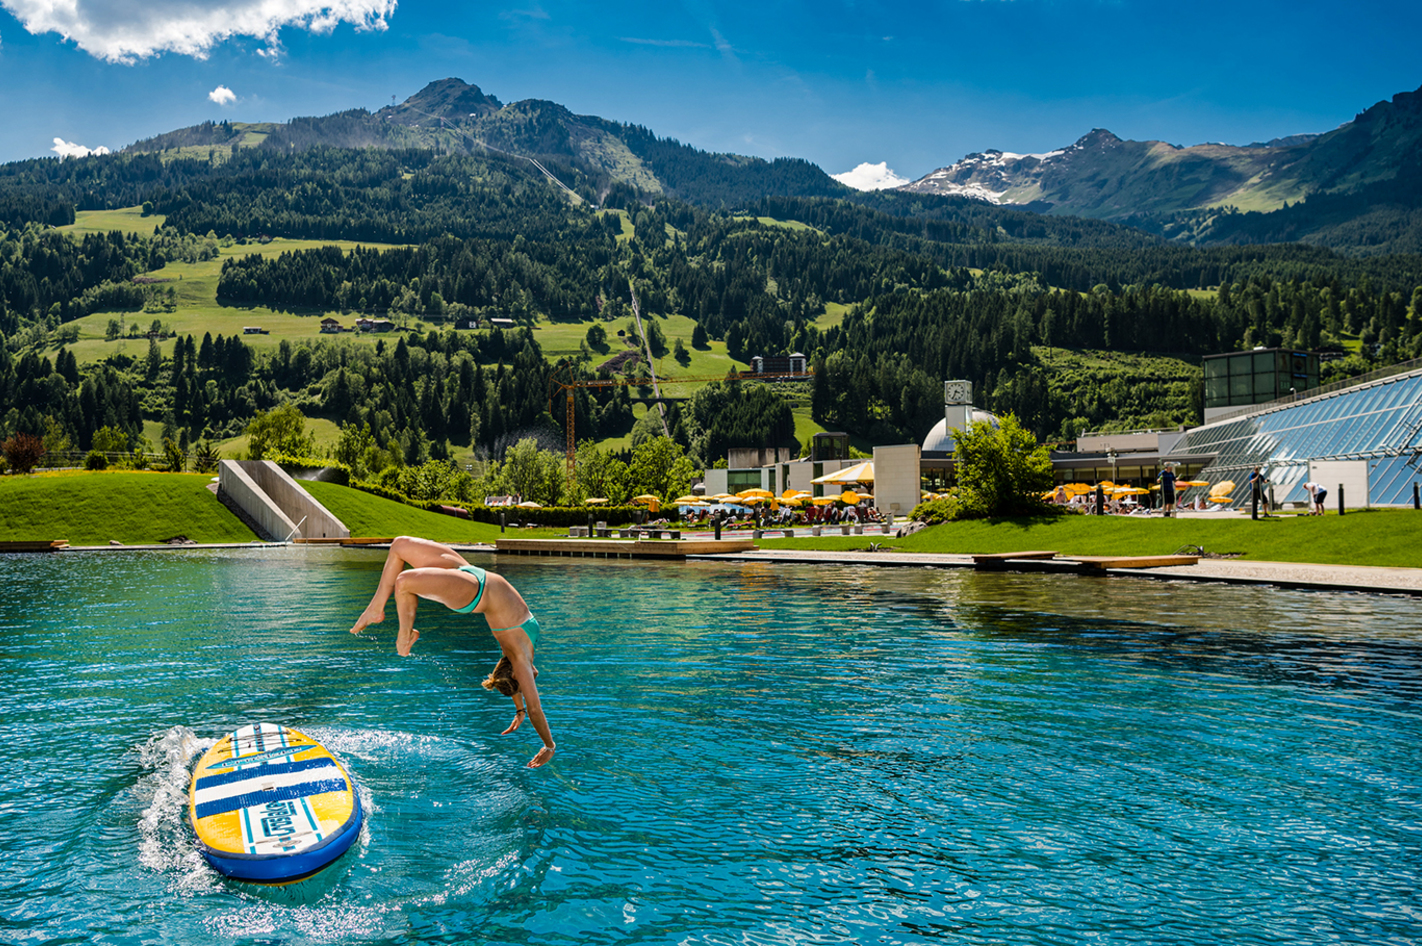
x=273 y=504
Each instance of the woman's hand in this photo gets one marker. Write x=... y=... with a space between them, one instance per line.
x=544 y=755
x=517 y=721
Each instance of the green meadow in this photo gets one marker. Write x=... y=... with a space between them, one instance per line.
x=1365 y=537
x=130 y=507
x=198 y=309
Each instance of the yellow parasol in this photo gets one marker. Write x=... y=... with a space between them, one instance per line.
x=595 y=501
x=529 y=504
x=859 y=473
x=822 y=501
x=849 y=497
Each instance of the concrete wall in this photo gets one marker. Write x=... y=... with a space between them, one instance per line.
x=896 y=478
x=235 y=483
x=271 y=497
x=1352 y=474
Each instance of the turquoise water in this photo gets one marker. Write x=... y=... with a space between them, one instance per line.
x=747 y=754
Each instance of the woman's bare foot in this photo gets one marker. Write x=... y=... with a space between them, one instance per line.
x=403 y=645
x=367 y=618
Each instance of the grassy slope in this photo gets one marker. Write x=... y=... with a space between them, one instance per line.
x=366 y=515
x=1376 y=537
x=198 y=310
x=134 y=508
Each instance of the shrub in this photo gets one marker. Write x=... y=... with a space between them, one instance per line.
x=205 y=457
x=96 y=460
x=23 y=451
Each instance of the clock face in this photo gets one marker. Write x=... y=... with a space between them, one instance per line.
x=957 y=392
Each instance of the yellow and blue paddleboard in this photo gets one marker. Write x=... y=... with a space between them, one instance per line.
x=271 y=805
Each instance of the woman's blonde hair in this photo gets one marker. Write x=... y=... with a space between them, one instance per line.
x=502 y=678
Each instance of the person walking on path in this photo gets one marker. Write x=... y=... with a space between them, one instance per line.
x=439 y=573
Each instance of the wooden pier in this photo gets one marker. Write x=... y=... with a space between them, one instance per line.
x=617 y=548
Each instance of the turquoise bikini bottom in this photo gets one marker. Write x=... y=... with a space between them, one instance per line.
x=529 y=627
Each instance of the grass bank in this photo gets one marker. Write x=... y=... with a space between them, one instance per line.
x=1372 y=537
x=369 y=516
x=130 y=507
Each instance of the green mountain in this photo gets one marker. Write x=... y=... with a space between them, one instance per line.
x=449 y=115
x=1356 y=188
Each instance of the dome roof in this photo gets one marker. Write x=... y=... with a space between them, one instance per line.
x=940 y=438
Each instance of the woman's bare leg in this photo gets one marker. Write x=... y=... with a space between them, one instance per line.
x=406 y=550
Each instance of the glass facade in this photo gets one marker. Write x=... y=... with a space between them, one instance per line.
x=1380 y=422
x=1254 y=377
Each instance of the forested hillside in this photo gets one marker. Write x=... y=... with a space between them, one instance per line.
x=1071 y=324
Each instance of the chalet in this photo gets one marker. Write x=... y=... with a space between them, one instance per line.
x=253 y=330
x=779 y=364
x=374 y=325
x=467 y=322
x=330 y=326
x=503 y=323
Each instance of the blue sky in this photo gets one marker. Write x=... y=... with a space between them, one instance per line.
x=840 y=83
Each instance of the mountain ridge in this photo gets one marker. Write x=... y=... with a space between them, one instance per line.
x=1193 y=193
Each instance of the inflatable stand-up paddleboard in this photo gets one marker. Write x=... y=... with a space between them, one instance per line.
x=271 y=805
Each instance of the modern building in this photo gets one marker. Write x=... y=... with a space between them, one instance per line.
x=1131 y=457
x=1363 y=436
x=1244 y=378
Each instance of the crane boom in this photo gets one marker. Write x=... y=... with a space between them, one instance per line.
x=569 y=387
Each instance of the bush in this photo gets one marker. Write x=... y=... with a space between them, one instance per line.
x=96 y=460
x=23 y=451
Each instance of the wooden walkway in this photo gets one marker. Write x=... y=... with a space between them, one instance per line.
x=616 y=548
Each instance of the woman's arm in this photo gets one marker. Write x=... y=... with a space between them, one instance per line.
x=524 y=674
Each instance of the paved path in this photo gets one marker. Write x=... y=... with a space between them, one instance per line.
x=1282 y=574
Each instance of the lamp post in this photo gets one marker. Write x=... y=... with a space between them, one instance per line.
x=1111 y=458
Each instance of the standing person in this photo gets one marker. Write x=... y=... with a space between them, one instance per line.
x=439 y=573
x=1167 y=489
x=1258 y=480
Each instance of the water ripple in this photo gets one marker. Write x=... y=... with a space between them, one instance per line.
x=747 y=755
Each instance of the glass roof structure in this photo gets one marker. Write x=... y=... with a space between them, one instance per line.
x=1380 y=422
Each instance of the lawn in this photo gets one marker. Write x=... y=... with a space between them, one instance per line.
x=1372 y=537
x=131 y=507
x=369 y=516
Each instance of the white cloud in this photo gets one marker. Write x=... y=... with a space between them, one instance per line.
x=128 y=30
x=870 y=177
x=68 y=149
x=222 y=95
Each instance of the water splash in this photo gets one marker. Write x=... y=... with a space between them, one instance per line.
x=165 y=844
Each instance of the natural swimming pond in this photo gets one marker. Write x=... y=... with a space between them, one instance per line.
x=747 y=754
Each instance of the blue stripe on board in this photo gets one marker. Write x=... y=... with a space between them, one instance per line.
x=248 y=799
x=275 y=768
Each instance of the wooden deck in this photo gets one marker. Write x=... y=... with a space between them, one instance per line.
x=614 y=548
x=38 y=545
x=989 y=559
x=1134 y=561
x=344 y=542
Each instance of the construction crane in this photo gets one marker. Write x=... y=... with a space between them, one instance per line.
x=570 y=387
